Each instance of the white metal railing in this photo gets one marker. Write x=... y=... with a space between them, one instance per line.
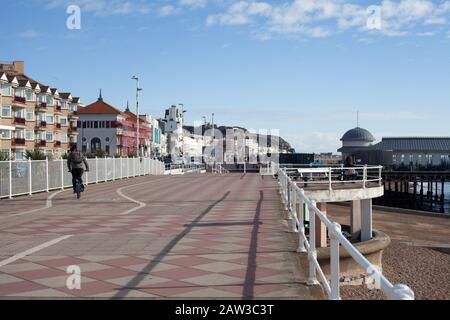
x=293 y=196
x=32 y=176
x=330 y=176
x=219 y=169
x=185 y=168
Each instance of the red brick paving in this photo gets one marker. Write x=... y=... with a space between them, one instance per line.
x=193 y=239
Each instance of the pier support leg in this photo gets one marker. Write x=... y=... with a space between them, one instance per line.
x=355 y=219
x=366 y=219
x=321 y=230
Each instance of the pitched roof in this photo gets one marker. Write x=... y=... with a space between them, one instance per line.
x=419 y=144
x=64 y=95
x=99 y=107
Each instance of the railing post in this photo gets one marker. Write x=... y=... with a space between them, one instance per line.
x=96 y=170
x=46 y=175
x=106 y=169
x=312 y=254
x=62 y=174
x=114 y=168
x=294 y=196
x=301 y=219
x=30 y=182
x=10 y=179
x=330 y=171
x=121 y=167
x=380 y=173
x=334 y=262
x=364 y=176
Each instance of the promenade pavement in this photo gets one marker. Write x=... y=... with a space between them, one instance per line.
x=191 y=236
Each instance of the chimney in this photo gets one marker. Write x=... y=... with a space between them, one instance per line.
x=19 y=66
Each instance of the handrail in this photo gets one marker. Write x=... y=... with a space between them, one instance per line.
x=334 y=175
x=219 y=169
x=292 y=195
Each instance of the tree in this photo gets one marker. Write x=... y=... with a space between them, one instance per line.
x=4 y=156
x=35 y=155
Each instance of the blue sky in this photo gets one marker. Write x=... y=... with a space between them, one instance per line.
x=303 y=67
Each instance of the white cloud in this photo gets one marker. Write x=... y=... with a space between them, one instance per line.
x=323 y=18
x=29 y=34
x=194 y=3
x=105 y=7
x=168 y=11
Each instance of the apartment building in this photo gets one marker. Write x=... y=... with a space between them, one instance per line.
x=34 y=116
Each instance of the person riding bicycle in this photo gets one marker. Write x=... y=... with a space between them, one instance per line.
x=75 y=162
x=350 y=173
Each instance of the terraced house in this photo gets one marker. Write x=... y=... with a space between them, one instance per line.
x=33 y=115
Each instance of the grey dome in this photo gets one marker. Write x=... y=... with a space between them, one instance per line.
x=358 y=134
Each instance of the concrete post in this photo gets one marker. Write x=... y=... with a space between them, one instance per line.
x=366 y=219
x=355 y=219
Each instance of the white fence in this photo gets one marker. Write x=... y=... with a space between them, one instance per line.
x=32 y=176
x=294 y=197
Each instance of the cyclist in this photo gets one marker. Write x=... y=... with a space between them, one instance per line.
x=75 y=162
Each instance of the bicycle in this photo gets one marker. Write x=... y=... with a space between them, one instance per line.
x=78 y=189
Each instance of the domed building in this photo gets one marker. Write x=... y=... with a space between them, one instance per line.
x=355 y=139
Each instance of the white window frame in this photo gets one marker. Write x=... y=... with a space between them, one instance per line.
x=27 y=112
x=10 y=112
x=32 y=94
x=21 y=152
x=10 y=90
x=27 y=131
x=53 y=136
x=62 y=124
x=64 y=138
x=49 y=115
x=19 y=133
x=2 y=137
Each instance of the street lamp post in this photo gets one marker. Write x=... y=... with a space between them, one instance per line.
x=138 y=89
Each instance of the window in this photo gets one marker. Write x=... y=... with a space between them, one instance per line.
x=5 y=134
x=49 y=100
x=19 y=92
x=63 y=121
x=20 y=133
x=29 y=115
x=84 y=124
x=108 y=124
x=49 y=136
x=20 y=113
x=63 y=137
x=6 y=90
x=42 y=98
x=29 y=135
x=19 y=155
x=95 y=124
x=6 y=111
x=49 y=119
x=29 y=95
x=63 y=104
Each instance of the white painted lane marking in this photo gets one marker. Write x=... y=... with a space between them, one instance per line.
x=33 y=250
x=141 y=204
x=49 y=204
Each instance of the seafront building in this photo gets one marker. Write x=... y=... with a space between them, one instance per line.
x=410 y=152
x=104 y=127
x=34 y=116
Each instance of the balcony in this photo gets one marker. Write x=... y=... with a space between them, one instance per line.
x=71 y=144
x=57 y=144
x=19 y=121
x=41 y=143
x=58 y=109
x=18 y=142
x=74 y=114
x=58 y=126
x=20 y=100
x=41 y=125
x=73 y=130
